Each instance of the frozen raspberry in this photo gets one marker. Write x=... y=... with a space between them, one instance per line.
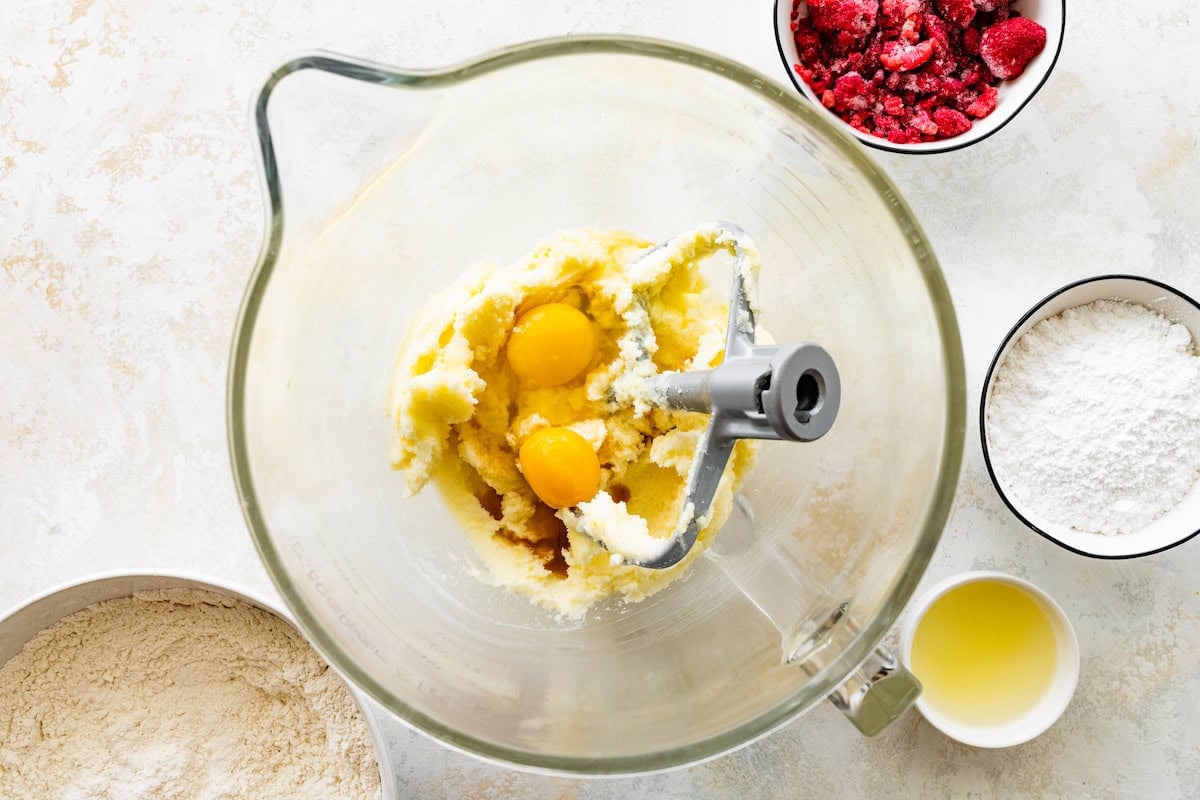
x=921 y=122
x=874 y=48
x=1008 y=46
x=908 y=70
x=960 y=12
x=905 y=57
x=910 y=31
x=935 y=28
x=884 y=124
x=950 y=89
x=808 y=42
x=970 y=41
x=982 y=105
x=920 y=82
x=974 y=76
x=894 y=13
x=951 y=122
x=839 y=66
x=942 y=63
x=850 y=91
x=854 y=18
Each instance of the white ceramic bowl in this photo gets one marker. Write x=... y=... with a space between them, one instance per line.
x=1177 y=525
x=41 y=611
x=1013 y=95
x=1052 y=704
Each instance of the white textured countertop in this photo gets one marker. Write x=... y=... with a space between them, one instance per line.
x=130 y=218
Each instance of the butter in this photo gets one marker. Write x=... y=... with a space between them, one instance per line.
x=460 y=414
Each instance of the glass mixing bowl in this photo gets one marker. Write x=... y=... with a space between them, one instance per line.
x=383 y=186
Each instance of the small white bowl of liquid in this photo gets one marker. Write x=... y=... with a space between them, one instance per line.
x=996 y=656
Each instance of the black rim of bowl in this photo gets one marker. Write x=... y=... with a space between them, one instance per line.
x=883 y=144
x=983 y=397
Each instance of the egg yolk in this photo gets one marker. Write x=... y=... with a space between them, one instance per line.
x=560 y=466
x=551 y=344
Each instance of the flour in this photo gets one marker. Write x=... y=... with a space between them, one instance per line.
x=1094 y=419
x=178 y=694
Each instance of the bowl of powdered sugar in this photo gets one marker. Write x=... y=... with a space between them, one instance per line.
x=1090 y=417
x=139 y=686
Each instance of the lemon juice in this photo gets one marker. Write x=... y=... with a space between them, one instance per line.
x=985 y=653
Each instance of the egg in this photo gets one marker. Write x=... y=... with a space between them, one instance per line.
x=560 y=466
x=551 y=344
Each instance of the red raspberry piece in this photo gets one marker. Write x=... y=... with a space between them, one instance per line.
x=942 y=66
x=951 y=122
x=850 y=91
x=974 y=76
x=893 y=105
x=840 y=66
x=936 y=28
x=898 y=136
x=871 y=55
x=850 y=18
x=983 y=105
x=950 y=89
x=884 y=123
x=970 y=41
x=828 y=98
x=896 y=12
x=808 y=42
x=921 y=122
x=1007 y=47
x=920 y=82
x=903 y=57
x=960 y=12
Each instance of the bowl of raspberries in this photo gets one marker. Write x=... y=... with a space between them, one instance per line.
x=920 y=76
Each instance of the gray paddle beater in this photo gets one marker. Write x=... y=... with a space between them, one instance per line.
x=785 y=392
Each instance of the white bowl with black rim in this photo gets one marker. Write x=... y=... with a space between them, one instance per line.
x=1174 y=527
x=1013 y=95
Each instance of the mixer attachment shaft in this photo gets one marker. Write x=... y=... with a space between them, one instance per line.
x=786 y=392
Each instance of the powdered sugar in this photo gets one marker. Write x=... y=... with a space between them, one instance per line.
x=1094 y=417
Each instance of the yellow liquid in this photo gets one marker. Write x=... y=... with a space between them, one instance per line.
x=985 y=653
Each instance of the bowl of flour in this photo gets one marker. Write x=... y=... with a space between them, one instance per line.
x=137 y=686
x=1090 y=417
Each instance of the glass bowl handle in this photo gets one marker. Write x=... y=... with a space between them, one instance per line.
x=876 y=693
